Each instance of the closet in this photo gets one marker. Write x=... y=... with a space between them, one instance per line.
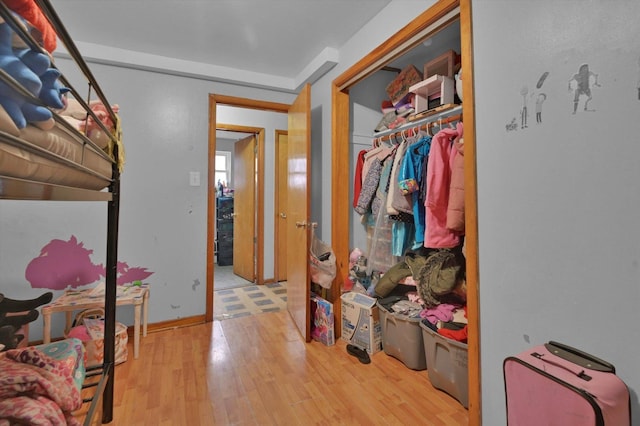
x=69 y=152
x=397 y=48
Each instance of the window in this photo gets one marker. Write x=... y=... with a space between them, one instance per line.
x=223 y=168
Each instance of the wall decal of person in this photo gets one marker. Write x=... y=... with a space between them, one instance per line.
x=580 y=83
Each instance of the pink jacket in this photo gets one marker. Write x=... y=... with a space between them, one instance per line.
x=455 y=210
x=439 y=170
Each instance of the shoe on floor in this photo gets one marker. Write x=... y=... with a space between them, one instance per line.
x=361 y=354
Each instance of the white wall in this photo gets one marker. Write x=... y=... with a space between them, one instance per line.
x=557 y=201
x=163 y=220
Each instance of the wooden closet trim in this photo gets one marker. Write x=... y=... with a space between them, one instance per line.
x=404 y=40
x=340 y=203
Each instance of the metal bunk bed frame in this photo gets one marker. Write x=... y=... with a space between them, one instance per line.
x=21 y=189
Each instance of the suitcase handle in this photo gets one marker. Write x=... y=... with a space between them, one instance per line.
x=579 y=357
x=580 y=374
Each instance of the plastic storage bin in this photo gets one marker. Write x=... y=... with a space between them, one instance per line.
x=402 y=338
x=447 y=361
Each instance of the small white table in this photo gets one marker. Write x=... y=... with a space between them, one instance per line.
x=77 y=300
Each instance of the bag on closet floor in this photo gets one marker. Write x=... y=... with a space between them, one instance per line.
x=322 y=262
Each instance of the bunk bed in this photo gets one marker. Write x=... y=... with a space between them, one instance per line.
x=50 y=153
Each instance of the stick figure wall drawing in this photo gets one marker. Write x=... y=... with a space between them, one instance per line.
x=528 y=95
x=539 y=100
x=580 y=83
x=524 y=92
x=541 y=96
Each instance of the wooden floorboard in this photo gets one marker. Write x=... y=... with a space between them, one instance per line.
x=257 y=371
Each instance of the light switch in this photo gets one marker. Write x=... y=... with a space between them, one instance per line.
x=194 y=178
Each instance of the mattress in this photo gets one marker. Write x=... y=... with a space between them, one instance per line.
x=58 y=156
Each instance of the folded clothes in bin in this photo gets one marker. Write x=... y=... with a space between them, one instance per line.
x=402 y=336
x=447 y=361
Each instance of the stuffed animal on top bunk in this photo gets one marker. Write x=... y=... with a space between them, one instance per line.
x=42 y=30
x=75 y=114
x=33 y=70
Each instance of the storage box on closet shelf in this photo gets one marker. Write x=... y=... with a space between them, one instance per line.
x=435 y=91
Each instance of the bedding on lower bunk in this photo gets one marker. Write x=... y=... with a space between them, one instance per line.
x=42 y=384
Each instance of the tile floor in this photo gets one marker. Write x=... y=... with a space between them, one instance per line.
x=225 y=278
x=249 y=300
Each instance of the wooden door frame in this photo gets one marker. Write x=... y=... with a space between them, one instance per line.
x=276 y=184
x=404 y=40
x=232 y=101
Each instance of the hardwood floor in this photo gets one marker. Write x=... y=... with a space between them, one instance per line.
x=257 y=371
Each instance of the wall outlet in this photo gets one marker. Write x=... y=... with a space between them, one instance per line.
x=194 y=178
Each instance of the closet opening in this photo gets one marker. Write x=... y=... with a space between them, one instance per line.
x=354 y=111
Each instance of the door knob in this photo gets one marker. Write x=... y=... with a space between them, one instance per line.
x=283 y=215
x=302 y=224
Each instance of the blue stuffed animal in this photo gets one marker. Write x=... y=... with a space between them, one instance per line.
x=32 y=69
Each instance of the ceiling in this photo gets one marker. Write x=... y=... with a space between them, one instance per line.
x=276 y=44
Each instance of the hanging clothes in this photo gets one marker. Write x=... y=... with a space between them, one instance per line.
x=383 y=185
x=369 y=186
x=357 y=177
x=455 y=209
x=438 y=181
x=410 y=180
x=400 y=202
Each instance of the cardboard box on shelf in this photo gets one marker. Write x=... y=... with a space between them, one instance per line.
x=444 y=64
x=398 y=89
x=361 y=322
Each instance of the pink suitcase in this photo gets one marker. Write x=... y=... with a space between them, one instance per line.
x=557 y=385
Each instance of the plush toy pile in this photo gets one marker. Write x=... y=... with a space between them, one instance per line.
x=33 y=70
x=38 y=92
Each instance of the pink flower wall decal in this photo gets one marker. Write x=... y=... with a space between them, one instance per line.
x=63 y=264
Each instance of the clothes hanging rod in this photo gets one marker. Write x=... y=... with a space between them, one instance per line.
x=409 y=130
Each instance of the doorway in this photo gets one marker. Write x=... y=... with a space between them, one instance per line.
x=235 y=221
x=259 y=244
